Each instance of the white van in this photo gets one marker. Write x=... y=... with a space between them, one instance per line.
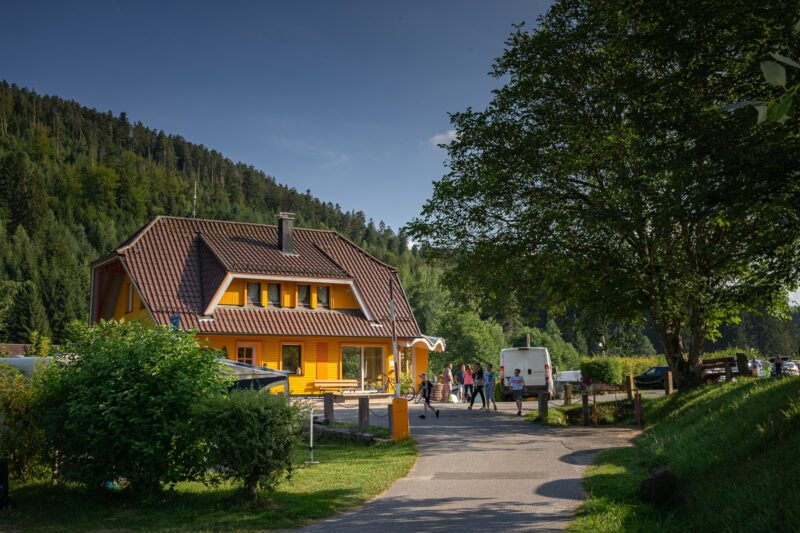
x=535 y=368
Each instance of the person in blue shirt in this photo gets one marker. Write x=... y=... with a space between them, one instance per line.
x=489 y=375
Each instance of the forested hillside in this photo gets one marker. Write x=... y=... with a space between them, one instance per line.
x=75 y=182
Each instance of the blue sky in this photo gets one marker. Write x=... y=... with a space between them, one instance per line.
x=342 y=97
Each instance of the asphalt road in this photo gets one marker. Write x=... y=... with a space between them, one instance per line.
x=482 y=472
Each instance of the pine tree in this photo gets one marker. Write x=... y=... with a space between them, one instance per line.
x=28 y=315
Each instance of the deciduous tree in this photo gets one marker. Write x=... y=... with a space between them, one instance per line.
x=605 y=174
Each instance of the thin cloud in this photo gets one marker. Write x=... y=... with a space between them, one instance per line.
x=442 y=138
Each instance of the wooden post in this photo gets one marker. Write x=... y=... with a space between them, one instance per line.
x=585 y=408
x=637 y=407
x=568 y=394
x=629 y=386
x=328 y=407
x=668 y=383
x=728 y=372
x=544 y=400
x=363 y=413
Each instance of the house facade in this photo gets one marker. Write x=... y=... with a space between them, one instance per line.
x=305 y=301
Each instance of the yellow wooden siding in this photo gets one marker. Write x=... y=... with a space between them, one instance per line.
x=342 y=297
x=269 y=349
x=234 y=295
x=121 y=306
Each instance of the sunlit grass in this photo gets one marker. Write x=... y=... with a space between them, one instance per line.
x=347 y=475
x=733 y=448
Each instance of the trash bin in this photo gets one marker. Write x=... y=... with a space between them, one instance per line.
x=4 y=503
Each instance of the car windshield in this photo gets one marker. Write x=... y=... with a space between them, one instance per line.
x=651 y=372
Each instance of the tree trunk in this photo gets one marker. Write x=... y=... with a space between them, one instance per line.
x=251 y=485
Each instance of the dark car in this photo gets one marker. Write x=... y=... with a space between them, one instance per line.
x=652 y=378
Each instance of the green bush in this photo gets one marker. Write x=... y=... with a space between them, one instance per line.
x=21 y=440
x=636 y=365
x=249 y=437
x=605 y=370
x=117 y=407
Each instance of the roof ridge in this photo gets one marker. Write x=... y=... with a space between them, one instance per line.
x=216 y=220
x=138 y=235
x=213 y=251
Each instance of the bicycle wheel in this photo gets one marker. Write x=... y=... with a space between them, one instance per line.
x=410 y=394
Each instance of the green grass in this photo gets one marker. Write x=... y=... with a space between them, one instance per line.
x=348 y=475
x=734 y=449
x=378 y=431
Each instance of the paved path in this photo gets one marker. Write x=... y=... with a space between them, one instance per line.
x=482 y=472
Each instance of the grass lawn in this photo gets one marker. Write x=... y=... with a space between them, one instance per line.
x=734 y=449
x=348 y=475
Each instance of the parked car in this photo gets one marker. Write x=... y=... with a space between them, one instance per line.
x=652 y=378
x=790 y=368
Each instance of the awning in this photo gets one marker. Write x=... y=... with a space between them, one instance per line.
x=433 y=344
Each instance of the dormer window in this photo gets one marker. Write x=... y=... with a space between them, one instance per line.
x=323 y=296
x=304 y=295
x=274 y=294
x=254 y=293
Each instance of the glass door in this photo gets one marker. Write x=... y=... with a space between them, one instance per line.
x=364 y=364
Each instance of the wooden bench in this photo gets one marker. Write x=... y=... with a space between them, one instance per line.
x=336 y=384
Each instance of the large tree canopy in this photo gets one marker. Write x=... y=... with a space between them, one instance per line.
x=605 y=175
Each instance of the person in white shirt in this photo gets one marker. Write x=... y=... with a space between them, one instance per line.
x=517 y=386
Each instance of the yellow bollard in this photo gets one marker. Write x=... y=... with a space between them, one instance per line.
x=400 y=428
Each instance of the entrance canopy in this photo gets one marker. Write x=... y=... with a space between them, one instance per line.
x=433 y=344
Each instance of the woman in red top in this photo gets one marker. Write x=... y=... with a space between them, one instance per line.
x=468 y=383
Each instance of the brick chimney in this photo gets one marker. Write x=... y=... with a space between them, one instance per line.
x=285 y=223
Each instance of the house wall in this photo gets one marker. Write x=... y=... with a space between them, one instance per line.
x=321 y=356
x=138 y=310
x=341 y=296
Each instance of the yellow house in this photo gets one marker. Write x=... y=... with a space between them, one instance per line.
x=305 y=301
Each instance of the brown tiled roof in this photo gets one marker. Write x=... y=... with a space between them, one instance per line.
x=178 y=265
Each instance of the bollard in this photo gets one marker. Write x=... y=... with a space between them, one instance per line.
x=328 y=399
x=398 y=419
x=311 y=460
x=544 y=400
x=637 y=407
x=390 y=421
x=629 y=386
x=363 y=413
x=4 y=501
x=585 y=408
x=668 y=383
x=568 y=394
x=728 y=372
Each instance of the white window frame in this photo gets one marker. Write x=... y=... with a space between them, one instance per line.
x=250 y=345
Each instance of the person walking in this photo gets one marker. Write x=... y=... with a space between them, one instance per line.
x=468 y=381
x=448 y=382
x=517 y=386
x=778 y=366
x=755 y=367
x=489 y=376
x=460 y=383
x=477 y=378
x=426 y=389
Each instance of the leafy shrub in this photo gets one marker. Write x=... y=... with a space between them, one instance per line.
x=21 y=440
x=605 y=370
x=249 y=437
x=636 y=365
x=117 y=407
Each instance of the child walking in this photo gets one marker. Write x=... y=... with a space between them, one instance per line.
x=426 y=388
